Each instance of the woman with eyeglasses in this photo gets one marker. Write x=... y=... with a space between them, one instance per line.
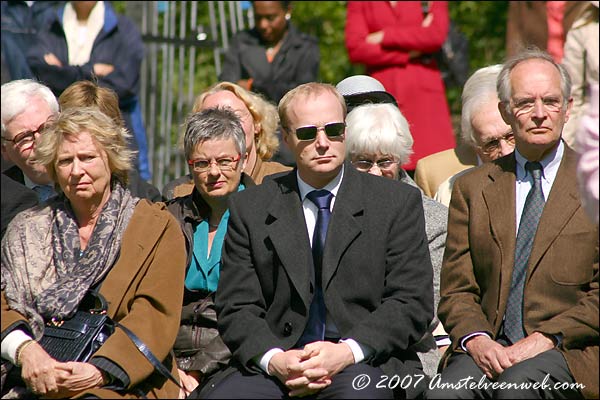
x=378 y=142
x=215 y=147
x=259 y=119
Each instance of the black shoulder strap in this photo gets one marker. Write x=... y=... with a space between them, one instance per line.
x=141 y=346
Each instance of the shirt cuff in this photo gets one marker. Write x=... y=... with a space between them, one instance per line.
x=469 y=336
x=442 y=340
x=10 y=344
x=359 y=351
x=264 y=361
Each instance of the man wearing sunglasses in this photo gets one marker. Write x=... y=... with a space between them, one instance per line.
x=326 y=278
x=26 y=106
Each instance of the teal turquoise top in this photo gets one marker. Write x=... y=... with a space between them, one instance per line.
x=204 y=270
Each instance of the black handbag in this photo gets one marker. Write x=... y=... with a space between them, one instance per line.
x=453 y=58
x=77 y=338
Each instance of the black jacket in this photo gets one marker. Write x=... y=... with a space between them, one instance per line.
x=119 y=43
x=296 y=62
x=15 y=198
x=377 y=274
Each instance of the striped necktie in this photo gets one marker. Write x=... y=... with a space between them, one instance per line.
x=534 y=205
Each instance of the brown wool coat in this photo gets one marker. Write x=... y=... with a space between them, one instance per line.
x=561 y=290
x=144 y=290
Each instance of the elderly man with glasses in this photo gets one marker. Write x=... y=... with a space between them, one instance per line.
x=519 y=286
x=26 y=106
x=326 y=279
x=482 y=126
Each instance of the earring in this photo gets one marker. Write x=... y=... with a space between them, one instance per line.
x=288 y=17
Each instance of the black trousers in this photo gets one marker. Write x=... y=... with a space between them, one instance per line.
x=344 y=385
x=547 y=369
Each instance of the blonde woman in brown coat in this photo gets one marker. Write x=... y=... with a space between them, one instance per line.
x=93 y=235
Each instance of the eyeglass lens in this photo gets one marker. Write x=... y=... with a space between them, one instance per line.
x=365 y=165
x=332 y=130
x=26 y=138
x=224 y=164
x=494 y=145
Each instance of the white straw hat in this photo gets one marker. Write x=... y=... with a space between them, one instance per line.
x=363 y=89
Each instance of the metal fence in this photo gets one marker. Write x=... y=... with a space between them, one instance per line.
x=184 y=43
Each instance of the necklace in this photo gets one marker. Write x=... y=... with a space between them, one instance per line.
x=213 y=226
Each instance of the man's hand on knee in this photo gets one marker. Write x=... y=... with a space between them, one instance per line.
x=491 y=357
x=286 y=366
x=529 y=347
x=311 y=383
x=319 y=362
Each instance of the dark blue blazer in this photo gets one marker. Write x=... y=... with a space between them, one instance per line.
x=119 y=43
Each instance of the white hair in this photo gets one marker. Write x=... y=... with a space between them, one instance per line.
x=373 y=128
x=479 y=90
x=17 y=95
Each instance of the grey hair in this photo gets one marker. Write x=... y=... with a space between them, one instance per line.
x=504 y=87
x=479 y=90
x=17 y=95
x=372 y=128
x=220 y=123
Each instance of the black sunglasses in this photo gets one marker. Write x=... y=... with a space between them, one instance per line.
x=332 y=130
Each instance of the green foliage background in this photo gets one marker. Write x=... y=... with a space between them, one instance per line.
x=483 y=22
